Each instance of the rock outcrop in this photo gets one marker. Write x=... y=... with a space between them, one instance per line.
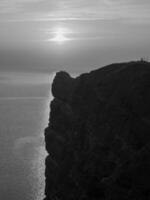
x=98 y=137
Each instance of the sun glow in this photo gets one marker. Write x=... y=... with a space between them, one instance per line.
x=60 y=36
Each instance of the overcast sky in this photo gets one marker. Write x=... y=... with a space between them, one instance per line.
x=96 y=32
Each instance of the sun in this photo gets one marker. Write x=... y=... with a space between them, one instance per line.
x=60 y=36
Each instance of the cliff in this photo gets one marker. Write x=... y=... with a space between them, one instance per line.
x=98 y=137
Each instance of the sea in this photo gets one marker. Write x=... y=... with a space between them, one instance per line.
x=22 y=149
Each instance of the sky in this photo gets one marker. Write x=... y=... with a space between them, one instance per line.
x=44 y=36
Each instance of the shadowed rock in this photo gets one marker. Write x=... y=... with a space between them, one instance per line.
x=62 y=87
x=98 y=137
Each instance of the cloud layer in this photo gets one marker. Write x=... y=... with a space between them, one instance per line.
x=99 y=32
x=134 y=10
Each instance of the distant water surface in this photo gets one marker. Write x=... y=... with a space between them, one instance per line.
x=22 y=150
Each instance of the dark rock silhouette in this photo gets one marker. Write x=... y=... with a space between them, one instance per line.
x=98 y=137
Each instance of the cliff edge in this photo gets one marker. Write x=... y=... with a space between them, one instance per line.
x=98 y=136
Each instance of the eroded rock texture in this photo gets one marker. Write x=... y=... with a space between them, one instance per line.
x=98 y=137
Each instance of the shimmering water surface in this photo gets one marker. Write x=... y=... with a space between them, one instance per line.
x=22 y=150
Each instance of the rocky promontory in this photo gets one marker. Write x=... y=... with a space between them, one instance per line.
x=98 y=136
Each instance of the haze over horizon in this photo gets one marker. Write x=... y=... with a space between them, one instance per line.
x=74 y=35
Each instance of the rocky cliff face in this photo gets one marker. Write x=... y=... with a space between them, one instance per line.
x=98 y=137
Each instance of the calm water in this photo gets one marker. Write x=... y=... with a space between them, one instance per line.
x=22 y=151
